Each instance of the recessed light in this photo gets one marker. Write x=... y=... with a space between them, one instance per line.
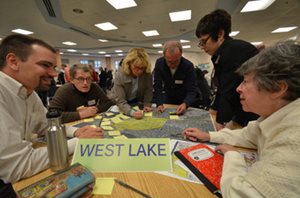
x=106 y=26
x=103 y=40
x=117 y=4
x=69 y=43
x=157 y=45
x=257 y=5
x=284 y=29
x=151 y=33
x=181 y=15
x=84 y=54
x=256 y=43
x=184 y=41
x=160 y=51
x=21 y=31
x=107 y=55
x=186 y=46
x=71 y=50
x=118 y=51
x=101 y=52
x=234 y=33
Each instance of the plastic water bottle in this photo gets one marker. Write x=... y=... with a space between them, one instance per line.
x=56 y=141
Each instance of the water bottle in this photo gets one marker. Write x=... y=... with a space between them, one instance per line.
x=56 y=141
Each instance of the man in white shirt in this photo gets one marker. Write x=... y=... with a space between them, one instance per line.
x=26 y=63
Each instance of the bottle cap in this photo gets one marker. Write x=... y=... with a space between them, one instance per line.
x=53 y=113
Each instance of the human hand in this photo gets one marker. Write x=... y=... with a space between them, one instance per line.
x=219 y=126
x=86 y=112
x=147 y=109
x=225 y=147
x=195 y=134
x=160 y=108
x=88 y=132
x=181 y=109
x=137 y=115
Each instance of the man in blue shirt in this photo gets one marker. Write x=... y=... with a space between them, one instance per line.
x=175 y=75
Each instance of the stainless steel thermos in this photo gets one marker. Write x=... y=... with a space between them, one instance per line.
x=56 y=141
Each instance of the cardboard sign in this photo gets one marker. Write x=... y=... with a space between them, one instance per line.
x=121 y=155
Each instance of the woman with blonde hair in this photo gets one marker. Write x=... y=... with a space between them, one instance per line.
x=133 y=83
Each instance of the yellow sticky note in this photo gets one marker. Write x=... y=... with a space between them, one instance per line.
x=116 y=120
x=114 y=133
x=98 y=117
x=106 y=120
x=94 y=126
x=107 y=128
x=88 y=120
x=125 y=117
x=174 y=117
x=105 y=123
x=148 y=114
x=109 y=114
x=121 y=137
x=104 y=186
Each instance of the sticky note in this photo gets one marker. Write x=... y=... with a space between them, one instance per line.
x=174 y=117
x=94 y=126
x=105 y=119
x=121 y=137
x=98 y=117
x=104 y=186
x=116 y=120
x=125 y=117
x=107 y=127
x=109 y=114
x=136 y=108
x=103 y=123
x=148 y=114
x=88 y=120
x=114 y=133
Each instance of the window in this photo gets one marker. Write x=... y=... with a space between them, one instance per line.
x=84 y=62
x=97 y=64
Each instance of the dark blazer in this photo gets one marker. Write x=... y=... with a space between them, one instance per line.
x=228 y=58
x=178 y=88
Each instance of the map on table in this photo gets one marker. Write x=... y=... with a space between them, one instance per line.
x=159 y=125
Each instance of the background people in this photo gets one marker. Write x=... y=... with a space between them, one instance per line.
x=227 y=55
x=175 y=75
x=271 y=89
x=81 y=98
x=133 y=83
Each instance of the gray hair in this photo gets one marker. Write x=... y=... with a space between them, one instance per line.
x=76 y=67
x=171 y=47
x=280 y=62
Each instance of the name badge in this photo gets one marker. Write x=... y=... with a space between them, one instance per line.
x=178 y=82
x=91 y=102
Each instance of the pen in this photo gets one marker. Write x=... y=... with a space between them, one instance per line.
x=132 y=188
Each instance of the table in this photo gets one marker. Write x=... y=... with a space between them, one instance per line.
x=154 y=184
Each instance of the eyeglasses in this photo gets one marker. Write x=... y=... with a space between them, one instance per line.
x=81 y=79
x=203 y=42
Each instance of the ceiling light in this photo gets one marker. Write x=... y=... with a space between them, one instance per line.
x=284 y=29
x=120 y=54
x=21 y=31
x=294 y=38
x=71 y=50
x=186 y=46
x=157 y=45
x=102 y=40
x=121 y=4
x=101 y=52
x=151 y=33
x=184 y=41
x=160 y=51
x=257 y=5
x=84 y=54
x=61 y=53
x=69 y=43
x=107 y=55
x=256 y=43
x=106 y=26
x=118 y=51
x=234 y=33
x=181 y=15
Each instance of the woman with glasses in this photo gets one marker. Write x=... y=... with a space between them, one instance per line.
x=227 y=55
x=81 y=98
x=133 y=84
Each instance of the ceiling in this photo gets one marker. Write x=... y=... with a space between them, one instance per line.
x=55 y=22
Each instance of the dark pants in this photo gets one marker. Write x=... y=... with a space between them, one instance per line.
x=6 y=190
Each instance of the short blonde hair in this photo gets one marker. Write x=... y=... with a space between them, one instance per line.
x=138 y=57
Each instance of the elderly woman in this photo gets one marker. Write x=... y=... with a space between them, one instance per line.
x=271 y=88
x=133 y=83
